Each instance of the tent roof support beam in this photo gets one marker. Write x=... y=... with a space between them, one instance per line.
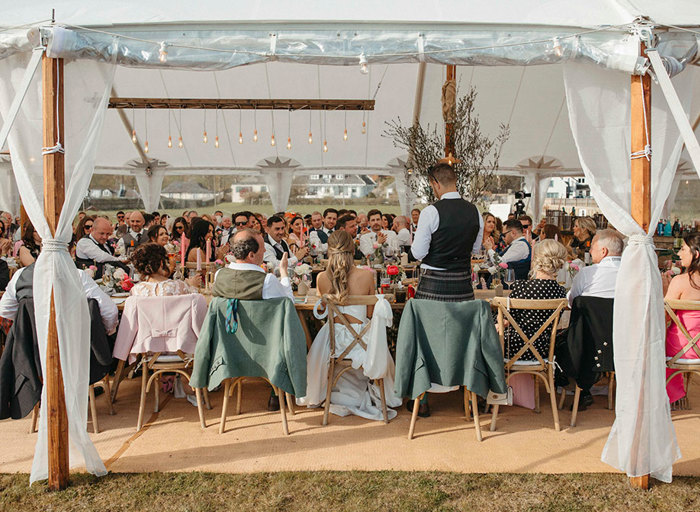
x=240 y=104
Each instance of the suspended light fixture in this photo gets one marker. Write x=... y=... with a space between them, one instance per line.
x=289 y=129
x=255 y=123
x=311 y=137
x=557 y=47
x=325 y=146
x=272 y=140
x=145 y=122
x=216 y=125
x=363 y=64
x=325 y=132
x=240 y=126
x=163 y=52
x=170 y=139
x=133 y=127
x=205 y=139
x=364 y=126
x=180 y=144
x=345 y=132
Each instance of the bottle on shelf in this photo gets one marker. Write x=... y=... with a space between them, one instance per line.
x=676 y=230
x=667 y=228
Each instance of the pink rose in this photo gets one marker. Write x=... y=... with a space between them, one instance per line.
x=219 y=262
x=503 y=265
x=93 y=268
x=375 y=246
x=574 y=267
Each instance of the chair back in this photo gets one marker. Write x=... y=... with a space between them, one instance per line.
x=671 y=307
x=334 y=312
x=505 y=304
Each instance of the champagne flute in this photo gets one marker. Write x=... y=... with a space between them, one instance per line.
x=510 y=277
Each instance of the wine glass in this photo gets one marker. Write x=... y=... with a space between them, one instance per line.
x=510 y=277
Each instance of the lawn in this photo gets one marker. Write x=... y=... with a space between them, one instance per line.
x=365 y=491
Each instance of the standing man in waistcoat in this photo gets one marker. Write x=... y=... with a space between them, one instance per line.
x=245 y=279
x=136 y=233
x=447 y=234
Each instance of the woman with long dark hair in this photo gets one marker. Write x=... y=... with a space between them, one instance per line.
x=31 y=245
x=685 y=286
x=180 y=227
x=296 y=226
x=202 y=234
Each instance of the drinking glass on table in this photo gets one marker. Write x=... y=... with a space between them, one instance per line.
x=510 y=277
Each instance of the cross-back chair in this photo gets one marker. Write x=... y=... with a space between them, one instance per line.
x=678 y=364
x=542 y=367
x=339 y=361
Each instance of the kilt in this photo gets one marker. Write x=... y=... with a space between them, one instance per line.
x=445 y=286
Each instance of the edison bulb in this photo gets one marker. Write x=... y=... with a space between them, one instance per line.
x=255 y=136
x=289 y=143
x=240 y=137
x=325 y=147
x=170 y=141
x=272 y=140
x=345 y=134
x=364 y=127
x=205 y=139
x=179 y=143
x=311 y=139
x=216 y=141
x=133 y=136
x=145 y=147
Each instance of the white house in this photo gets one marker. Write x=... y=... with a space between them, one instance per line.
x=337 y=185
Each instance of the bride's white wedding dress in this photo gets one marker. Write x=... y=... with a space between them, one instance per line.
x=354 y=392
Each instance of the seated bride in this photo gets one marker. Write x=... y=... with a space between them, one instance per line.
x=354 y=392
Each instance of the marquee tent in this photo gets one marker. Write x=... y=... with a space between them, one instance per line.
x=557 y=72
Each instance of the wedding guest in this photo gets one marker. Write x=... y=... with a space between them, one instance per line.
x=180 y=228
x=550 y=232
x=549 y=257
x=415 y=215
x=518 y=251
x=151 y=262
x=382 y=238
x=30 y=245
x=526 y=221
x=490 y=231
x=158 y=234
x=243 y=220
x=584 y=231
x=685 y=286
x=276 y=247
x=135 y=236
x=598 y=280
x=83 y=228
x=191 y=215
x=362 y=223
x=156 y=218
x=400 y=227
x=5 y=244
x=296 y=225
x=202 y=234
x=318 y=237
x=164 y=219
x=4 y=275
x=120 y=228
x=258 y=222
x=348 y=223
x=387 y=221
x=227 y=229
x=94 y=249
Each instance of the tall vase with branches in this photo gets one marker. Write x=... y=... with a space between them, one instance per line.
x=475 y=155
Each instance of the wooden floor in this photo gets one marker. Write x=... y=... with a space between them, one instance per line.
x=173 y=440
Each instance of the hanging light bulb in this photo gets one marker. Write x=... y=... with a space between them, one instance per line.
x=170 y=141
x=216 y=141
x=240 y=137
x=255 y=135
x=163 y=52
x=325 y=146
x=133 y=126
x=363 y=64
x=272 y=140
x=345 y=134
x=289 y=129
x=255 y=123
x=179 y=129
x=133 y=136
x=145 y=147
x=205 y=139
x=556 y=44
x=180 y=143
x=311 y=138
x=364 y=127
x=289 y=143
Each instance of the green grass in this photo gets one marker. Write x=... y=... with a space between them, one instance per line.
x=355 y=490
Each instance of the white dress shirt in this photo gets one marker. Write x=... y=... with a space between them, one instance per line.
x=134 y=234
x=428 y=223
x=87 y=248
x=596 y=280
x=368 y=240
x=271 y=256
x=272 y=287
x=404 y=236
x=108 y=309
x=321 y=249
x=516 y=251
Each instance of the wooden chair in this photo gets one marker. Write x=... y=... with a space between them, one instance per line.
x=120 y=374
x=577 y=394
x=678 y=364
x=230 y=386
x=540 y=367
x=469 y=399
x=160 y=363
x=340 y=361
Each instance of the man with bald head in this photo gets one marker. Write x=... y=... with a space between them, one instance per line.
x=136 y=235
x=94 y=250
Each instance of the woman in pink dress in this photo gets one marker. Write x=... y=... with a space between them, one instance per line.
x=685 y=286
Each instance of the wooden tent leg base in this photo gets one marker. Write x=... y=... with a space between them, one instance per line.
x=640 y=482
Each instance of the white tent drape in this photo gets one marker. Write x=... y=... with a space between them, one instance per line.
x=406 y=197
x=150 y=187
x=642 y=440
x=9 y=198
x=537 y=185
x=279 y=185
x=87 y=88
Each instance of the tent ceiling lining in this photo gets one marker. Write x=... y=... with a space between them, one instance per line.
x=241 y=104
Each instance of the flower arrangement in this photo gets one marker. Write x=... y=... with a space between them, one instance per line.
x=395 y=274
x=573 y=269
x=116 y=280
x=91 y=270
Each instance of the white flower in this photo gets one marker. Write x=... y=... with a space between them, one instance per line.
x=675 y=270
x=119 y=274
x=90 y=273
x=302 y=270
x=170 y=248
x=230 y=258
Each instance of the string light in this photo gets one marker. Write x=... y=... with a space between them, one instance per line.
x=163 y=52
x=289 y=129
x=345 y=132
x=170 y=139
x=205 y=139
x=363 y=64
x=240 y=126
x=364 y=125
x=145 y=121
x=133 y=126
x=255 y=123
x=216 y=124
x=272 y=140
x=557 y=47
x=325 y=132
x=272 y=123
x=311 y=137
x=180 y=144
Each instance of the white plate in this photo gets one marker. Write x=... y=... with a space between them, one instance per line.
x=122 y=294
x=118 y=300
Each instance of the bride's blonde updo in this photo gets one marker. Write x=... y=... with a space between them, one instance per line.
x=341 y=249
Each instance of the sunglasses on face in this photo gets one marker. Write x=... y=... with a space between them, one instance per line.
x=120 y=217
x=179 y=228
x=88 y=226
x=242 y=223
x=526 y=226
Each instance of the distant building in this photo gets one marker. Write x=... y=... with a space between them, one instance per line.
x=189 y=192
x=562 y=188
x=241 y=190
x=348 y=186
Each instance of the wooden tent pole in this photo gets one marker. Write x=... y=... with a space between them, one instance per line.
x=449 y=143
x=640 y=203
x=54 y=184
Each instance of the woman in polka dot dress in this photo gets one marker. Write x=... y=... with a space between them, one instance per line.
x=549 y=258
